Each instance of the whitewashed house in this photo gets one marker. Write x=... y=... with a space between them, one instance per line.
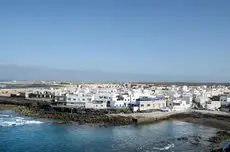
x=225 y=100
x=121 y=101
x=202 y=100
x=213 y=105
x=181 y=105
x=105 y=97
x=96 y=104
x=146 y=103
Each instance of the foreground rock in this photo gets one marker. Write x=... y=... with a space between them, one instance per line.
x=216 y=140
x=66 y=115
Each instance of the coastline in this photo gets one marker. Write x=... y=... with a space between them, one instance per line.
x=107 y=117
x=121 y=117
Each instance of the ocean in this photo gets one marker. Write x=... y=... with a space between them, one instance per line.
x=25 y=134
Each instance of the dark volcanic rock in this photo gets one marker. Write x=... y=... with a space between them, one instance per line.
x=217 y=150
x=214 y=139
x=223 y=133
x=182 y=138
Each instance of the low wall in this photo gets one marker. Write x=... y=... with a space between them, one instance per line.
x=148 y=119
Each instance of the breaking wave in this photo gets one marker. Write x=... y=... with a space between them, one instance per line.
x=157 y=146
x=166 y=147
x=10 y=120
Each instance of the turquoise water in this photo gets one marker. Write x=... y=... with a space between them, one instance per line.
x=23 y=134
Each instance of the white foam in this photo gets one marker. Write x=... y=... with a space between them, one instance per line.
x=33 y=122
x=9 y=120
x=3 y=115
x=19 y=123
x=166 y=147
x=19 y=118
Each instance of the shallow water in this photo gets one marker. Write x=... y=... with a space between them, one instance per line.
x=9 y=118
x=23 y=134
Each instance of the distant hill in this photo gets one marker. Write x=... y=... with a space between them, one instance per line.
x=14 y=72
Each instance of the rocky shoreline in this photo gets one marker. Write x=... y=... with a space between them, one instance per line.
x=62 y=115
x=80 y=116
x=213 y=142
x=216 y=121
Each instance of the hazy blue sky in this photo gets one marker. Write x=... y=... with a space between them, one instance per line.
x=136 y=36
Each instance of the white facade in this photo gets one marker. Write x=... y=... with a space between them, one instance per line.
x=203 y=100
x=213 y=105
x=225 y=98
x=181 y=105
x=119 y=104
x=150 y=104
x=96 y=105
x=78 y=98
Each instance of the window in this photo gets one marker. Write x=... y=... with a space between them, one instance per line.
x=96 y=105
x=74 y=99
x=69 y=98
x=153 y=105
x=83 y=99
x=148 y=105
x=142 y=105
x=101 y=105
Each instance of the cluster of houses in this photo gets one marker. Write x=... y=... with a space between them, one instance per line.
x=138 y=97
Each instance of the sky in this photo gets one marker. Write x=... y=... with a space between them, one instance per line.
x=158 y=37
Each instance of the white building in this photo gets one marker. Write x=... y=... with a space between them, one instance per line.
x=225 y=100
x=120 y=104
x=96 y=104
x=213 y=105
x=147 y=103
x=76 y=98
x=202 y=100
x=121 y=101
x=181 y=105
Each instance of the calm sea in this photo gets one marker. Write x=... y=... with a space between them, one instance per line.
x=23 y=134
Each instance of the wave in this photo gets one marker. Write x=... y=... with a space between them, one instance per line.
x=166 y=147
x=19 y=123
x=5 y=116
x=10 y=120
x=156 y=146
